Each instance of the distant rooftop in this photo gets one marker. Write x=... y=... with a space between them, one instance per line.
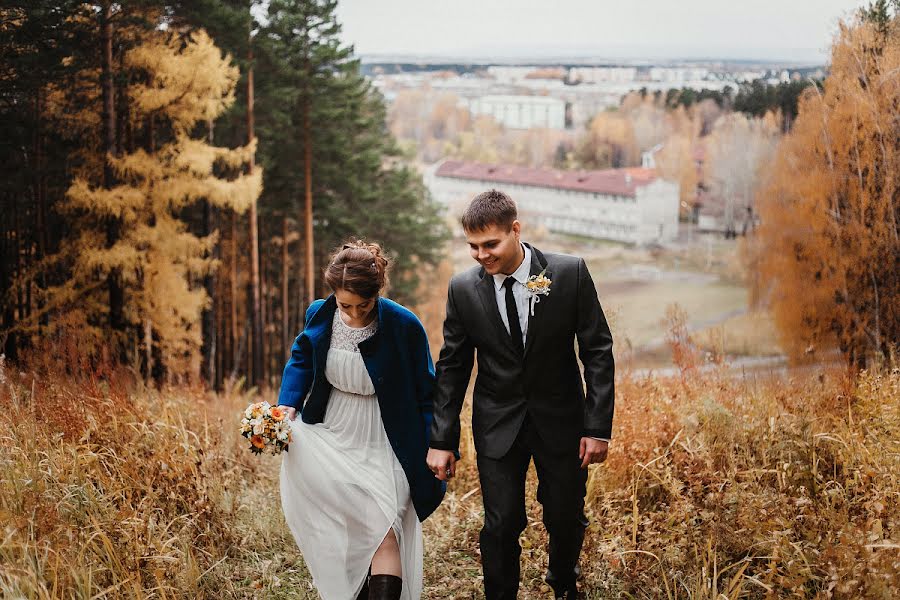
x=616 y=182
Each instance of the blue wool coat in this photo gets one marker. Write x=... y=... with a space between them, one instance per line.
x=399 y=363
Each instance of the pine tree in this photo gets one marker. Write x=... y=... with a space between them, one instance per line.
x=305 y=62
x=37 y=43
x=114 y=140
x=228 y=22
x=323 y=136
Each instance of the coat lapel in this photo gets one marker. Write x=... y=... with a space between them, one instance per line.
x=369 y=347
x=318 y=330
x=488 y=295
x=538 y=264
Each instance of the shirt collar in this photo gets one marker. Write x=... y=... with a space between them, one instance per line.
x=521 y=274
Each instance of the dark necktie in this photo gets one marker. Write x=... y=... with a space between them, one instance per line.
x=512 y=315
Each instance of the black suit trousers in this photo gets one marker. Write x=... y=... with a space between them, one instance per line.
x=561 y=491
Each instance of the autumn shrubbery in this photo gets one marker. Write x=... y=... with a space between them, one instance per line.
x=829 y=238
x=722 y=486
x=110 y=489
x=716 y=484
x=757 y=488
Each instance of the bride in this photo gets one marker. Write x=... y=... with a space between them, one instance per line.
x=354 y=485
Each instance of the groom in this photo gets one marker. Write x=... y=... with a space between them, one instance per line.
x=530 y=399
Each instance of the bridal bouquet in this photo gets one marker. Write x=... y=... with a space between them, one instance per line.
x=267 y=428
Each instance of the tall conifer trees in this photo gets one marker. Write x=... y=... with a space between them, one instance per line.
x=327 y=151
x=141 y=137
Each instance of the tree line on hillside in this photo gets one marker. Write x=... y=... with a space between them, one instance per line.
x=715 y=154
x=175 y=173
x=826 y=256
x=756 y=98
x=434 y=125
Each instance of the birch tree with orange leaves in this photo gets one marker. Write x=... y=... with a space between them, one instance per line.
x=828 y=246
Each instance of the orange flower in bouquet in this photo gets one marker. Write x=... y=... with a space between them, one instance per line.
x=267 y=428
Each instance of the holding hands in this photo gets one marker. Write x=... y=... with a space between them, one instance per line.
x=442 y=463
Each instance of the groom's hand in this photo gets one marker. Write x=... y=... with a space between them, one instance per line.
x=290 y=412
x=592 y=451
x=442 y=463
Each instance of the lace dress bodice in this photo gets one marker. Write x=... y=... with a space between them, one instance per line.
x=344 y=368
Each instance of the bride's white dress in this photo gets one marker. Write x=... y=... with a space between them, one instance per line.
x=342 y=488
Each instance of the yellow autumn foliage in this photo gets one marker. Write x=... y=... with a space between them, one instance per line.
x=610 y=142
x=183 y=82
x=187 y=82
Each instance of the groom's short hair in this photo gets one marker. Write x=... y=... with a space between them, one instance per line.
x=492 y=207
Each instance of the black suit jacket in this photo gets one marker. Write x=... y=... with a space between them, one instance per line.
x=545 y=382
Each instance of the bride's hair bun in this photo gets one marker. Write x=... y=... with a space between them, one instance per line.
x=358 y=267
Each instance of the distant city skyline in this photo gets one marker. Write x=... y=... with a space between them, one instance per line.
x=789 y=30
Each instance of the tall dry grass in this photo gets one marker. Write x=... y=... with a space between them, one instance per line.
x=717 y=486
x=109 y=489
x=721 y=486
x=761 y=489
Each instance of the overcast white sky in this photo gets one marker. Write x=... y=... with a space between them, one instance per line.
x=799 y=30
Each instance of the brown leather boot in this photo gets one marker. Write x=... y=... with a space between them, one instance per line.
x=385 y=587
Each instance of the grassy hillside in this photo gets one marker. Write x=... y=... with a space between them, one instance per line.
x=715 y=485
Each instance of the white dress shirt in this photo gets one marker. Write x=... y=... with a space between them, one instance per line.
x=520 y=293
x=521 y=296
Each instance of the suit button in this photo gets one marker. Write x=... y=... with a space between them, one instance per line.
x=381 y=380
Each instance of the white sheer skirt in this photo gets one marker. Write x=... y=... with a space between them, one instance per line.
x=342 y=491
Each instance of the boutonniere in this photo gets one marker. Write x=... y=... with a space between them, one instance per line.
x=537 y=286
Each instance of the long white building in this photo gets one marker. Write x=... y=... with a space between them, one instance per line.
x=678 y=74
x=626 y=205
x=522 y=112
x=589 y=75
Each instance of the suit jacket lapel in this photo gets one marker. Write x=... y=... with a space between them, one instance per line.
x=488 y=294
x=538 y=264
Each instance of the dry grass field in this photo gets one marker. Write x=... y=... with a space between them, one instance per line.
x=716 y=487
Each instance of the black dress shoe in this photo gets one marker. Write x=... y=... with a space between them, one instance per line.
x=563 y=590
x=551 y=578
x=571 y=593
